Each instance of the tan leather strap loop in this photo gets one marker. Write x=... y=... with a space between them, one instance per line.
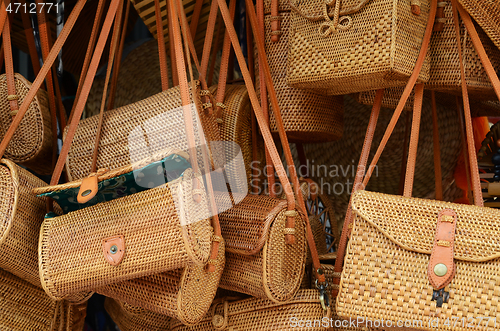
x=161 y=46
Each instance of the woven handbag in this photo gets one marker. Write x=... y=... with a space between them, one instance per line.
x=486 y=14
x=445 y=67
x=131 y=318
x=26 y=307
x=128 y=242
x=32 y=142
x=422 y=263
x=307 y=116
x=355 y=45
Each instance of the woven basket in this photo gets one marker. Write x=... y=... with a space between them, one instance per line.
x=184 y=294
x=258 y=261
x=333 y=165
x=445 y=64
x=390 y=100
x=236 y=126
x=386 y=264
x=26 y=307
x=378 y=50
x=22 y=215
x=72 y=255
x=262 y=314
x=31 y=145
x=138 y=79
x=143 y=128
x=487 y=15
x=307 y=116
x=131 y=318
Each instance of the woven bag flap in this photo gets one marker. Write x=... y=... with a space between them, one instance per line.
x=245 y=226
x=8 y=199
x=316 y=8
x=411 y=224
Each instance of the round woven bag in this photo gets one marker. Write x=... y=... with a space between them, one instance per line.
x=132 y=318
x=31 y=144
x=333 y=165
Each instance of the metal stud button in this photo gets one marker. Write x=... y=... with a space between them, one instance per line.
x=440 y=269
x=113 y=249
x=86 y=192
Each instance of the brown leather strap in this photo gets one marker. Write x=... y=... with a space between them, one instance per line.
x=3 y=13
x=112 y=50
x=212 y=18
x=43 y=27
x=30 y=40
x=88 y=53
x=269 y=170
x=415 y=130
x=275 y=21
x=177 y=11
x=173 y=60
x=161 y=46
x=461 y=120
x=363 y=160
x=9 y=68
x=406 y=93
x=406 y=142
x=215 y=51
x=436 y=149
x=118 y=58
x=41 y=76
x=195 y=18
x=87 y=84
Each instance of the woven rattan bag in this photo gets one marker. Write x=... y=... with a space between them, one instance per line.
x=307 y=116
x=131 y=318
x=139 y=234
x=302 y=312
x=355 y=45
x=26 y=307
x=487 y=15
x=445 y=67
x=423 y=262
x=31 y=144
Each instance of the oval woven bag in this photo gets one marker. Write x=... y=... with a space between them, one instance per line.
x=353 y=45
x=307 y=116
x=445 y=65
x=333 y=165
x=31 y=145
x=486 y=14
x=184 y=294
x=26 y=307
x=258 y=261
x=131 y=318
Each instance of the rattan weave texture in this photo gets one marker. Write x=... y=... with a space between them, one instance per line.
x=487 y=15
x=31 y=145
x=131 y=318
x=378 y=49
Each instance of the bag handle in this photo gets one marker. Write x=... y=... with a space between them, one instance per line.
x=30 y=40
x=265 y=129
x=9 y=68
x=49 y=61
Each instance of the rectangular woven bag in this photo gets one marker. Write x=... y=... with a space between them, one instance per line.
x=445 y=66
x=26 y=307
x=355 y=45
x=487 y=15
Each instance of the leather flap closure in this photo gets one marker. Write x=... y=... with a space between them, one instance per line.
x=411 y=224
x=245 y=227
